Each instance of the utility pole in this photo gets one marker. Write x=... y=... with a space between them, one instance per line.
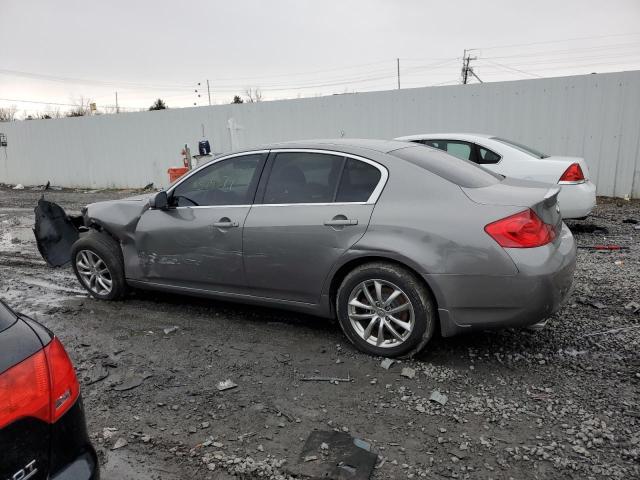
x=467 y=69
x=117 y=107
x=398 y=68
x=209 y=92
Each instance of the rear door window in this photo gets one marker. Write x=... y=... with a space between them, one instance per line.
x=358 y=181
x=303 y=177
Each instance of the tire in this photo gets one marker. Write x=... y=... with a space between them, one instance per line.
x=420 y=315
x=99 y=254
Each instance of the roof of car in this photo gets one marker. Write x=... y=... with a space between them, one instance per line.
x=445 y=136
x=382 y=146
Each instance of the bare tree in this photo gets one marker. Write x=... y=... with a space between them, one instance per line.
x=52 y=112
x=82 y=107
x=158 y=105
x=8 y=114
x=253 y=95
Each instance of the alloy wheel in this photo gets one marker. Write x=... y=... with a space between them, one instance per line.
x=381 y=313
x=94 y=272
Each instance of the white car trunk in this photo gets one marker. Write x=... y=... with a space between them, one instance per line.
x=548 y=169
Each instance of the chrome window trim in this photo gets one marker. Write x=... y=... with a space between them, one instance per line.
x=319 y=204
x=210 y=206
x=208 y=164
x=373 y=198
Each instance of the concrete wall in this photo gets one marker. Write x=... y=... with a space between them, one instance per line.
x=593 y=116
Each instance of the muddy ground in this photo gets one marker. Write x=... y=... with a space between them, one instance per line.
x=560 y=403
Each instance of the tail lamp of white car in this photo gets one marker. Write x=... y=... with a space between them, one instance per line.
x=572 y=175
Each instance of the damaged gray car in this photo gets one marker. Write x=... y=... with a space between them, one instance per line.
x=396 y=241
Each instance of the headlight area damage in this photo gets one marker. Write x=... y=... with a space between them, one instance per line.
x=56 y=232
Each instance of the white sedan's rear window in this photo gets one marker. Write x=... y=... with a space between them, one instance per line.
x=523 y=148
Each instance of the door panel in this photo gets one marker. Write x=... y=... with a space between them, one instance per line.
x=198 y=242
x=193 y=247
x=289 y=249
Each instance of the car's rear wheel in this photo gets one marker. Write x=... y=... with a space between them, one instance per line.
x=385 y=310
x=98 y=264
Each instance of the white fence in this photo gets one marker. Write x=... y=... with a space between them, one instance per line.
x=593 y=116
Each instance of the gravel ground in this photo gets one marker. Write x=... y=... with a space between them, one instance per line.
x=558 y=403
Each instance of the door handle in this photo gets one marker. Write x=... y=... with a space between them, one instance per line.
x=340 y=222
x=225 y=224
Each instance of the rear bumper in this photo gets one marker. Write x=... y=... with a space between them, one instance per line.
x=85 y=467
x=72 y=455
x=476 y=302
x=577 y=201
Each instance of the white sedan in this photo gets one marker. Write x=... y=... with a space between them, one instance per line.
x=577 y=195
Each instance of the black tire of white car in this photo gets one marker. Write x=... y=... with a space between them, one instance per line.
x=109 y=251
x=419 y=296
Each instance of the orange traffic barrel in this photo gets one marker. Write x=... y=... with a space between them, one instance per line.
x=176 y=172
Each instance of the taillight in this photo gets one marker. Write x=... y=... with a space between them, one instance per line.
x=64 y=383
x=43 y=386
x=522 y=230
x=572 y=174
x=24 y=391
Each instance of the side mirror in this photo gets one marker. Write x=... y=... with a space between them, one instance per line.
x=159 y=201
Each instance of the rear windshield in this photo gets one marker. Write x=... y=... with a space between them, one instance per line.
x=523 y=148
x=456 y=170
x=7 y=317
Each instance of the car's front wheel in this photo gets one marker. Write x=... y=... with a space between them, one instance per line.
x=385 y=310
x=98 y=264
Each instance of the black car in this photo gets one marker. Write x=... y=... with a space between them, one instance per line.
x=43 y=434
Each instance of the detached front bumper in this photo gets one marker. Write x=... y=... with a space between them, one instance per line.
x=476 y=302
x=55 y=232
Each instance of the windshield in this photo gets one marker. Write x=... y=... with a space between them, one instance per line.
x=7 y=317
x=523 y=148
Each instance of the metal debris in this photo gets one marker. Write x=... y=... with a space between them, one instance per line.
x=327 y=379
x=226 y=385
x=343 y=456
x=169 y=330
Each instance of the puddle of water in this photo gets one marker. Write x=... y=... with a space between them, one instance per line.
x=52 y=286
x=121 y=465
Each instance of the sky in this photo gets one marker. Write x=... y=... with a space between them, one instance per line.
x=58 y=52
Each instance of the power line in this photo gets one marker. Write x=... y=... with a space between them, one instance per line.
x=57 y=104
x=513 y=69
x=557 y=41
x=40 y=76
x=568 y=51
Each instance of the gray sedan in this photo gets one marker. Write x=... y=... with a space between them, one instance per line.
x=395 y=240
